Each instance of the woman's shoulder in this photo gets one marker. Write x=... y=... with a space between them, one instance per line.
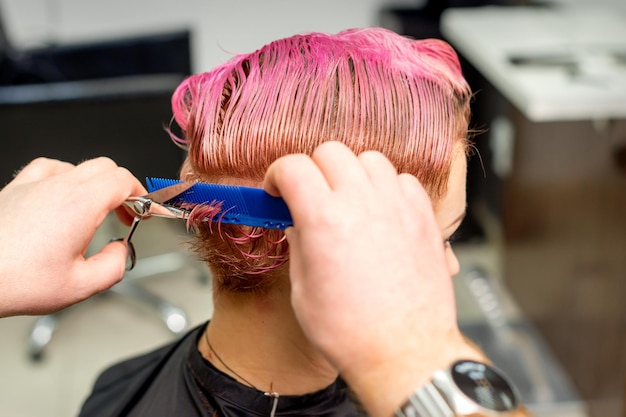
x=116 y=386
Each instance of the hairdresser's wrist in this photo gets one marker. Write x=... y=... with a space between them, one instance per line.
x=385 y=385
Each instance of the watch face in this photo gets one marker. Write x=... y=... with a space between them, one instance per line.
x=484 y=385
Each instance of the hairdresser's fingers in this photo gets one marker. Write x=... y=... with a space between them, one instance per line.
x=105 y=184
x=418 y=216
x=339 y=164
x=414 y=192
x=96 y=166
x=39 y=169
x=380 y=171
x=125 y=186
x=125 y=215
x=95 y=188
x=298 y=181
x=400 y=193
x=100 y=271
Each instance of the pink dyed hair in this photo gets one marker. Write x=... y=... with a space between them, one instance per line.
x=371 y=89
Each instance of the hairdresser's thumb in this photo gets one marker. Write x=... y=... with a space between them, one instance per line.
x=104 y=269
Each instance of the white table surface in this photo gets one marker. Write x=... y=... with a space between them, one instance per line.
x=592 y=37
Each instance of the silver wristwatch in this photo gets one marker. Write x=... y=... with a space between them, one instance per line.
x=465 y=388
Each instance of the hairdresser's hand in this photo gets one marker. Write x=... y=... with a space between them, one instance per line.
x=48 y=215
x=370 y=284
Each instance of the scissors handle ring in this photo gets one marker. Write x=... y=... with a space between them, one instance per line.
x=132 y=256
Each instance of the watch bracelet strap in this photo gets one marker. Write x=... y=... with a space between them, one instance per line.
x=426 y=401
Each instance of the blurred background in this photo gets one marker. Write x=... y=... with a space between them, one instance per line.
x=543 y=250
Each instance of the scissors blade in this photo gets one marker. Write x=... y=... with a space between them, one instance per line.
x=164 y=194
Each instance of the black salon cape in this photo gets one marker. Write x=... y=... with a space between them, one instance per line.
x=175 y=381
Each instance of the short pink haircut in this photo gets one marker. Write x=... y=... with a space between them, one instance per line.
x=371 y=89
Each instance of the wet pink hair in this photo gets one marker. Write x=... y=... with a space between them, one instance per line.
x=371 y=89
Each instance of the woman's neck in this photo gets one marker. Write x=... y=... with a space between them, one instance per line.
x=257 y=340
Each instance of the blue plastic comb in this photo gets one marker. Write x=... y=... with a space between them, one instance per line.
x=240 y=205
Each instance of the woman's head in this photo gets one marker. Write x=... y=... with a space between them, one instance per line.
x=368 y=88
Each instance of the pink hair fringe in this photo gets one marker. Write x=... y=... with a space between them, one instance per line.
x=368 y=88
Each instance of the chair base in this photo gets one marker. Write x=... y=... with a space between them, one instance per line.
x=174 y=317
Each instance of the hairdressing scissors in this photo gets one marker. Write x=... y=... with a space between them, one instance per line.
x=153 y=204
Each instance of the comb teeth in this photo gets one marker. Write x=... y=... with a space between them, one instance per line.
x=240 y=205
x=203 y=193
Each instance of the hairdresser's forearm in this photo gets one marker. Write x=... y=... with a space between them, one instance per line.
x=385 y=387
